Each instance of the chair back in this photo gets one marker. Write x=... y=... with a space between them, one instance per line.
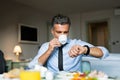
x=86 y=66
x=2 y=63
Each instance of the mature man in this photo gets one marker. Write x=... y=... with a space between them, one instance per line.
x=73 y=50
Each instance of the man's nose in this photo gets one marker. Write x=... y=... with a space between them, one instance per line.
x=63 y=33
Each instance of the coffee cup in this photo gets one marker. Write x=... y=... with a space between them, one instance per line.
x=62 y=39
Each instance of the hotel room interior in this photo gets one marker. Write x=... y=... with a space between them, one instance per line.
x=94 y=21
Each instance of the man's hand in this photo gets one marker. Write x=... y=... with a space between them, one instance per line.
x=54 y=43
x=77 y=50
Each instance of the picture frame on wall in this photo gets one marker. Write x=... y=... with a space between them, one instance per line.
x=28 y=34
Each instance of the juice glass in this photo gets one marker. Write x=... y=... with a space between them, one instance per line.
x=30 y=75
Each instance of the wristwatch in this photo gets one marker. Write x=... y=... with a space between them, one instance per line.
x=88 y=50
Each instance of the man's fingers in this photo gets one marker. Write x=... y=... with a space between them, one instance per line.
x=73 y=53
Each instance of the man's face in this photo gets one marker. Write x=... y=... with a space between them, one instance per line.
x=59 y=29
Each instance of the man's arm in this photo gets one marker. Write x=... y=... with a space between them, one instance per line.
x=77 y=50
x=52 y=44
x=96 y=52
x=43 y=58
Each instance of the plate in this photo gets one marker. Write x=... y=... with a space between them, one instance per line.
x=62 y=75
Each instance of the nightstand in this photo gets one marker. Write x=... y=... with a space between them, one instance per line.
x=19 y=64
x=8 y=65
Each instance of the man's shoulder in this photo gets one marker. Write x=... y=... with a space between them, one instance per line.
x=45 y=44
x=75 y=40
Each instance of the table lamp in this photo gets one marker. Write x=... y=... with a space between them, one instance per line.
x=17 y=50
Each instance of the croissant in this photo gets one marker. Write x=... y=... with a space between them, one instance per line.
x=14 y=73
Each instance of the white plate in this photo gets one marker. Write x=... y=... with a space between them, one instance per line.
x=1 y=76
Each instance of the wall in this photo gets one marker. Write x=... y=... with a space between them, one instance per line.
x=10 y=16
x=75 y=29
x=113 y=26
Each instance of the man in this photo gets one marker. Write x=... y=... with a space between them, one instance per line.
x=73 y=50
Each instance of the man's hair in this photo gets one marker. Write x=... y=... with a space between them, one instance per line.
x=60 y=19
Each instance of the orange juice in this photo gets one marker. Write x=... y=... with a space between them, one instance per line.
x=30 y=75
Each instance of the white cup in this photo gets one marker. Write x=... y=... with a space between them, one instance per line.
x=42 y=70
x=62 y=39
x=49 y=75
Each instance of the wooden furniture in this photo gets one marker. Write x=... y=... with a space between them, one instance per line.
x=8 y=65
x=19 y=64
x=13 y=64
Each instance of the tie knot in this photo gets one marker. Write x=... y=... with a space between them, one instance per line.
x=62 y=46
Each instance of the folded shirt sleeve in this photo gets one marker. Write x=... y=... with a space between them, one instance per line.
x=105 y=52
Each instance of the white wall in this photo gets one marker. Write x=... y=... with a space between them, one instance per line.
x=75 y=29
x=115 y=34
x=113 y=25
x=10 y=16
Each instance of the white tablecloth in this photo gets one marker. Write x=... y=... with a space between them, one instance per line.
x=2 y=78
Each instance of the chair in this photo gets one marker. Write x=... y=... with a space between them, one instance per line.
x=2 y=63
x=86 y=66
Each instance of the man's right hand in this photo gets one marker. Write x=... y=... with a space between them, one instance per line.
x=54 y=43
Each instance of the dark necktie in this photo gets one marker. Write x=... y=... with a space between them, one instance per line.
x=60 y=59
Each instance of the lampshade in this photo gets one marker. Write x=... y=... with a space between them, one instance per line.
x=17 y=49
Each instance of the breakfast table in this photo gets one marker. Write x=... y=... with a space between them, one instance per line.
x=57 y=78
x=45 y=79
x=43 y=74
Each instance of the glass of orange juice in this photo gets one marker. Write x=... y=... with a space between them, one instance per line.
x=30 y=75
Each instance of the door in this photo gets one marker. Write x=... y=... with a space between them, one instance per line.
x=98 y=33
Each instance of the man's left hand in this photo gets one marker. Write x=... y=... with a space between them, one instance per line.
x=77 y=50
